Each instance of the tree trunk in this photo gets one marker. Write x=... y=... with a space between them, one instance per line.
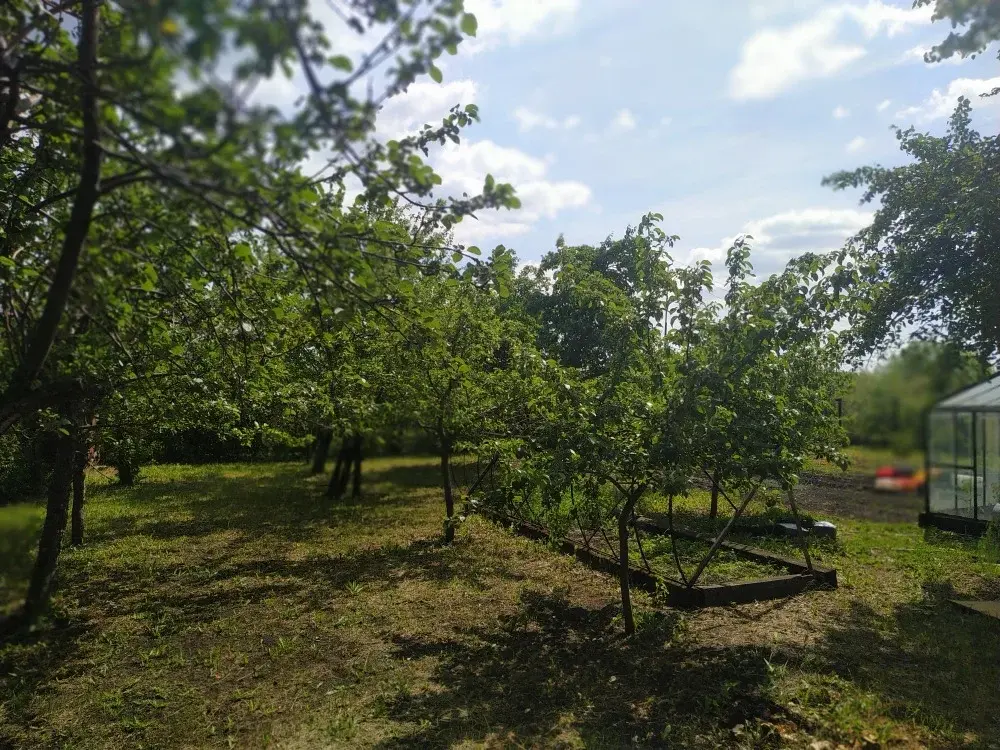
x=324 y=437
x=79 y=494
x=449 y=501
x=50 y=543
x=628 y=618
x=126 y=473
x=713 y=511
x=334 y=483
x=356 y=490
x=42 y=336
x=342 y=471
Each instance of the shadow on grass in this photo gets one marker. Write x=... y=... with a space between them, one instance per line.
x=280 y=501
x=554 y=665
x=929 y=660
x=28 y=662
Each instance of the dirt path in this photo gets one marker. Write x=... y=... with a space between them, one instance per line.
x=851 y=496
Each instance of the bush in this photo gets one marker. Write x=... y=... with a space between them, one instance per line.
x=989 y=545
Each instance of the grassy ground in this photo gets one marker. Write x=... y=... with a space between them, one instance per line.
x=865 y=459
x=226 y=607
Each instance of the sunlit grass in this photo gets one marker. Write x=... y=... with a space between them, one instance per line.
x=228 y=606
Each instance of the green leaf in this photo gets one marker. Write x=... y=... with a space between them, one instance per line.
x=473 y=250
x=342 y=62
x=456 y=257
x=435 y=73
x=469 y=24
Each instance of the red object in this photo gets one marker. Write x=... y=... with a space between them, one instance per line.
x=898 y=479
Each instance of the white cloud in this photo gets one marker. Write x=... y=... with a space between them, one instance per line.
x=604 y=61
x=423 y=102
x=463 y=167
x=780 y=237
x=528 y=120
x=877 y=16
x=839 y=112
x=764 y=10
x=812 y=229
x=775 y=59
x=514 y=21
x=855 y=144
x=883 y=105
x=941 y=104
x=624 y=120
x=666 y=120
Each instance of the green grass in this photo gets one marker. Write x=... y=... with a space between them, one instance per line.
x=865 y=459
x=226 y=606
x=19 y=527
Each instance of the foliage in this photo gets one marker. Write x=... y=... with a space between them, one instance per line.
x=990 y=542
x=746 y=392
x=980 y=20
x=768 y=370
x=886 y=405
x=930 y=256
x=116 y=120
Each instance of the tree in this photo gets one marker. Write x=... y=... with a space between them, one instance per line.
x=457 y=369
x=615 y=427
x=981 y=22
x=931 y=256
x=886 y=406
x=767 y=372
x=212 y=143
x=97 y=142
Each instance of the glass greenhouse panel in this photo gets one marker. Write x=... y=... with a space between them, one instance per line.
x=963 y=440
x=942 y=438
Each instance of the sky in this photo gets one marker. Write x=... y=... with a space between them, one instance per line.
x=722 y=115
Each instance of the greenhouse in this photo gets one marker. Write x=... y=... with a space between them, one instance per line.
x=963 y=459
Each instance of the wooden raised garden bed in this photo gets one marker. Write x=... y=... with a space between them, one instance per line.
x=682 y=595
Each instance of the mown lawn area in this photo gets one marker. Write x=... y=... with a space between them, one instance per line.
x=228 y=606
x=866 y=459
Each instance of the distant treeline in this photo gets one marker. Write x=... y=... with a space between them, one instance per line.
x=887 y=405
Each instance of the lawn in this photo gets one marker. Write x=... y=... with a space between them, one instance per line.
x=865 y=459
x=228 y=606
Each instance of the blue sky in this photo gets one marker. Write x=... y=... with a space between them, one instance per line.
x=723 y=115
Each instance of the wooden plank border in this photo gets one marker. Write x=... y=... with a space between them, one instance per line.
x=736 y=592
x=679 y=594
x=824 y=574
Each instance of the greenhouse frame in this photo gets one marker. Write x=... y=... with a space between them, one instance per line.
x=963 y=459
